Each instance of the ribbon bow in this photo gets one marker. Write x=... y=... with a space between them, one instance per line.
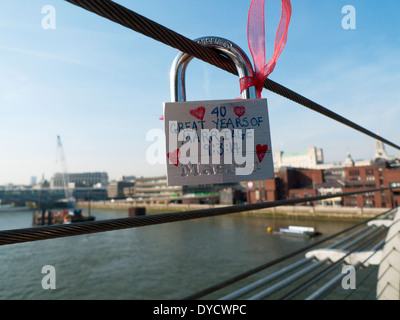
x=256 y=41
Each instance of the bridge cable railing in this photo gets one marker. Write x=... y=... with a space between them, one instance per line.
x=130 y=19
x=305 y=271
x=320 y=275
x=214 y=288
x=315 y=277
x=330 y=286
x=286 y=281
x=138 y=23
x=314 y=265
x=80 y=228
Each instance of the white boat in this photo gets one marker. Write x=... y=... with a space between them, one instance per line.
x=299 y=231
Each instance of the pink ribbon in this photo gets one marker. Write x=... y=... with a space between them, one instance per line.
x=256 y=41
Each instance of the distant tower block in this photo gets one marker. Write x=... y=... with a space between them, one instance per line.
x=33 y=181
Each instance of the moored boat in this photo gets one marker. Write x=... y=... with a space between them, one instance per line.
x=308 y=232
x=61 y=217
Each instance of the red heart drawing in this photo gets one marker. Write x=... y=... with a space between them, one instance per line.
x=239 y=111
x=198 y=113
x=261 y=150
x=174 y=157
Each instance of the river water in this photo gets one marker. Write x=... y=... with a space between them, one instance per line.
x=167 y=261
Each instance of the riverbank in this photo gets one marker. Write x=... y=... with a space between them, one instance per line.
x=301 y=211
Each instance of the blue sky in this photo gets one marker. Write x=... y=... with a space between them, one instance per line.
x=101 y=87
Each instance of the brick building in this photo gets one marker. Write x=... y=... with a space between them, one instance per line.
x=292 y=183
x=380 y=174
x=288 y=183
x=391 y=178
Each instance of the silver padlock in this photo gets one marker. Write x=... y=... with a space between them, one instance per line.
x=226 y=47
x=206 y=140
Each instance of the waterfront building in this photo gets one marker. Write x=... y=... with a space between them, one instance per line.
x=115 y=189
x=308 y=176
x=156 y=190
x=307 y=159
x=76 y=180
x=380 y=174
x=313 y=158
x=155 y=187
x=288 y=183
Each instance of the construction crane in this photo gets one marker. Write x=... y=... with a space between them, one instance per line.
x=61 y=157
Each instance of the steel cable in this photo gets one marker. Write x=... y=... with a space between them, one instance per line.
x=261 y=282
x=59 y=231
x=361 y=264
x=328 y=287
x=300 y=288
x=121 y=15
x=267 y=265
x=294 y=277
x=136 y=22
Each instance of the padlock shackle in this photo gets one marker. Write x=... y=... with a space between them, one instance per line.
x=226 y=47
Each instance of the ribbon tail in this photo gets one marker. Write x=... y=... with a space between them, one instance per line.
x=256 y=41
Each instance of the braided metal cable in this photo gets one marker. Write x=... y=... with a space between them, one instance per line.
x=314 y=278
x=59 y=231
x=136 y=22
x=223 y=284
x=361 y=264
x=295 y=97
